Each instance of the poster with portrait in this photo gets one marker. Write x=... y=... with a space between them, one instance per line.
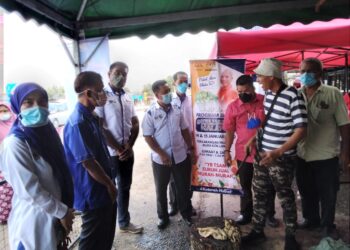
x=213 y=89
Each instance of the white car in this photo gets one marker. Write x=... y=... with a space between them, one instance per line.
x=58 y=113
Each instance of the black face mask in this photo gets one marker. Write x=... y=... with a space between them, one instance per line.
x=245 y=97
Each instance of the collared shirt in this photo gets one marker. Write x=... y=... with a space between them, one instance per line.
x=185 y=104
x=236 y=119
x=165 y=128
x=117 y=113
x=326 y=112
x=36 y=202
x=288 y=113
x=83 y=140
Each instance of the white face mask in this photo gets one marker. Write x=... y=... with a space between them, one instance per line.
x=5 y=116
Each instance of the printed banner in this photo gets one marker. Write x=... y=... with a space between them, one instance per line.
x=213 y=89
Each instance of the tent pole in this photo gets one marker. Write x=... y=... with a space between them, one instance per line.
x=79 y=56
x=81 y=10
x=67 y=51
x=346 y=87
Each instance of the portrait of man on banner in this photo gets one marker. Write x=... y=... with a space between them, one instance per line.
x=213 y=89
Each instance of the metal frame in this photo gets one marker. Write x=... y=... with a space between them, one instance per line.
x=205 y=13
x=42 y=9
x=78 y=25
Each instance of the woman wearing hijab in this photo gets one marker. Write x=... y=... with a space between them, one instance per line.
x=33 y=162
x=6 y=120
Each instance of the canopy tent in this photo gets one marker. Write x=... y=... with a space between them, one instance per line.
x=328 y=41
x=80 y=19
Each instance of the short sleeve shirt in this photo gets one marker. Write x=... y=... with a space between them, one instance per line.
x=185 y=105
x=288 y=113
x=236 y=119
x=165 y=128
x=83 y=140
x=326 y=112
x=117 y=114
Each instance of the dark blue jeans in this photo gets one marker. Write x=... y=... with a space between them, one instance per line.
x=318 y=184
x=124 y=180
x=98 y=228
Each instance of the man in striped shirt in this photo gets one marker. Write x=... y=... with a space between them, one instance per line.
x=274 y=165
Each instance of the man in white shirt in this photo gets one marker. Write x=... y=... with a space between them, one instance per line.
x=166 y=132
x=184 y=102
x=121 y=127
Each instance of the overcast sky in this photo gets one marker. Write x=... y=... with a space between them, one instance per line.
x=35 y=53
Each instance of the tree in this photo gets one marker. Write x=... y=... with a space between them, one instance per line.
x=55 y=92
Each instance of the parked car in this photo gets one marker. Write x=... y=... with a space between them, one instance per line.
x=58 y=113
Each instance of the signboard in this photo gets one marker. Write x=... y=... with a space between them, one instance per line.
x=213 y=89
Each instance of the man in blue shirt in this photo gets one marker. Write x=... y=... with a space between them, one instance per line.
x=166 y=132
x=89 y=162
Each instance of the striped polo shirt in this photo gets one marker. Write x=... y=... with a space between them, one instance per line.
x=288 y=113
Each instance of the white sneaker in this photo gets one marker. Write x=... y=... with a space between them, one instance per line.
x=131 y=228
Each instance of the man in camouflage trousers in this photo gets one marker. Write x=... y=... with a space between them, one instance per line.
x=284 y=126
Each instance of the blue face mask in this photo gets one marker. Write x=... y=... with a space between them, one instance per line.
x=34 y=117
x=182 y=87
x=308 y=79
x=253 y=123
x=166 y=99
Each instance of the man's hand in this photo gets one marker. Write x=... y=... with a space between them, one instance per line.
x=194 y=157
x=67 y=220
x=165 y=159
x=113 y=192
x=248 y=147
x=268 y=157
x=125 y=153
x=228 y=159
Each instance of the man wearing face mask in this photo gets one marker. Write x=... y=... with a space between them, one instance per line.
x=182 y=101
x=284 y=126
x=90 y=165
x=166 y=132
x=242 y=118
x=320 y=152
x=121 y=127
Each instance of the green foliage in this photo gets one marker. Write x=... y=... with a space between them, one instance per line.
x=55 y=92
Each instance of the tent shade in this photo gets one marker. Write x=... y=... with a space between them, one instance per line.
x=328 y=41
x=123 y=18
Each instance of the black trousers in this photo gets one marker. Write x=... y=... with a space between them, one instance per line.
x=98 y=228
x=124 y=171
x=318 y=184
x=246 y=177
x=172 y=191
x=181 y=173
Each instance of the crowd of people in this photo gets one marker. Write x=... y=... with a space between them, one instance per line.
x=286 y=133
